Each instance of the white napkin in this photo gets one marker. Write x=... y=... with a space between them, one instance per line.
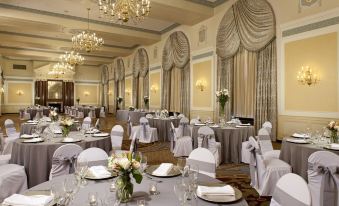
x=297 y=140
x=28 y=136
x=247 y=124
x=99 y=172
x=335 y=145
x=22 y=200
x=225 y=190
x=68 y=139
x=297 y=135
x=57 y=131
x=103 y=134
x=163 y=169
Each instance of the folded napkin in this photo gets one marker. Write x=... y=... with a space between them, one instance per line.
x=298 y=135
x=335 y=145
x=32 y=121
x=163 y=169
x=22 y=200
x=68 y=139
x=224 y=190
x=99 y=172
x=29 y=136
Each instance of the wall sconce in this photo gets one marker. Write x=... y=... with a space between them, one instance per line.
x=154 y=88
x=19 y=92
x=86 y=93
x=201 y=84
x=128 y=92
x=307 y=76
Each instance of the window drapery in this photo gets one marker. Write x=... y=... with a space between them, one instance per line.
x=119 y=82
x=140 y=77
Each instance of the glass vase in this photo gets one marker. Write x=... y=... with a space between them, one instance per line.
x=334 y=136
x=65 y=132
x=124 y=188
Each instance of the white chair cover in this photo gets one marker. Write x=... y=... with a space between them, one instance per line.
x=265 y=173
x=184 y=128
x=92 y=113
x=194 y=121
x=265 y=145
x=134 y=143
x=323 y=178
x=21 y=113
x=63 y=160
x=86 y=124
x=206 y=139
x=13 y=180
x=4 y=159
x=181 y=116
x=92 y=154
x=102 y=112
x=245 y=154
x=204 y=159
x=80 y=114
x=117 y=134
x=149 y=116
x=39 y=113
x=27 y=116
x=183 y=144
x=291 y=190
x=10 y=130
x=147 y=133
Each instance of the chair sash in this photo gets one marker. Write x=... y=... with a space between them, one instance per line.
x=184 y=129
x=10 y=129
x=329 y=183
x=63 y=165
x=203 y=166
x=205 y=140
x=21 y=113
x=129 y=126
x=117 y=133
x=283 y=198
x=143 y=127
x=265 y=143
x=253 y=164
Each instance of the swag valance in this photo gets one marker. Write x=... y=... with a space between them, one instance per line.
x=250 y=23
x=176 y=51
x=140 y=63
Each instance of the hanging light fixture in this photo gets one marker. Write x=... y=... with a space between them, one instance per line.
x=86 y=40
x=72 y=58
x=60 y=69
x=124 y=10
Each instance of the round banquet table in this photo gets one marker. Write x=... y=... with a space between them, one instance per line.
x=32 y=111
x=230 y=138
x=163 y=127
x=37 y=157
x=165 y=198
x=122 y=115
x=297 y=155
x=26 y=128
x=136 y=115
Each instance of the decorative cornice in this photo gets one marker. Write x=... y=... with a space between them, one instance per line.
x=37 y=11
x=208 y=3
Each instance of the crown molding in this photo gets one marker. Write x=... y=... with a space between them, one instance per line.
x=208 y=3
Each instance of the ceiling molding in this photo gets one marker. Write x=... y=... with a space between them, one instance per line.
x=37 y=11
x=208 y=3
x=42 y=60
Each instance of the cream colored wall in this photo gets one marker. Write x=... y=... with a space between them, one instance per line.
x=12 y=100
x=87 y=73
x=111 y=96
x=201 y=71
x=9 y=71
x=88 y=93
x=155 y=80
x=128 y=91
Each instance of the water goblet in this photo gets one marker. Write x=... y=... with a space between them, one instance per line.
x=143 y=164
x=181 y=163
x=93 y=198
x=179 y=191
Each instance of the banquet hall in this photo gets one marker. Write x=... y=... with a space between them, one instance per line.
x=180 y=102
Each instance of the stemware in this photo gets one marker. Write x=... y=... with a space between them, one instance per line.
x=180 y=192
x=181 y=163
x=143 y=164
x=56 y=192
x=93 y=198
x=81 y=169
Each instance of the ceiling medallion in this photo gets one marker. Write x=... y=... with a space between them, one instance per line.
x=72 y=58
x=124 y=10
x=86 y=40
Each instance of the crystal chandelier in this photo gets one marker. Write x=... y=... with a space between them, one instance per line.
x=307 y=76
x=60 y=69
x=72 y=58
x=86 y=40
x=124 y=10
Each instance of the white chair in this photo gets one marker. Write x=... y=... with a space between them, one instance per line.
x=265 y=173
x=11 y=132
x=39 y=113
x=268 y=126
x=194 y=121
x=245 y=154
x=207 y=140
x=94 y=156
x=204 y=159
x=181 y=116
x=323 y=178
x=102 y=112
x=117 y=135
x=63 y=160
x=182 y=139
x=291 y=189
x=91 y=113
x=86 y=124
x=27 y=116
x=13 y=180
x=23 y=115
x=265 y=145
x=80 y=114
x=147 y=134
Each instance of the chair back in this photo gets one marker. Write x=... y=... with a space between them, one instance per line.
x=291 y=189
x=149 y=116
x=9 y=125
x=264 y=140
x=184 y=129
x=144 y=127
x=39 y=113
x=86 y=124
x=102 y=109
x=204 y=159
x=206 y=138
x=117 y=134
x=181 y=116
x=253 y=148
x=134 y=143
x=268 y=126
x=323 y=178
x=63 y=160
x=194 y=121
x=92 y=155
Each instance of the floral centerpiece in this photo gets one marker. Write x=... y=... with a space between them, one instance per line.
x=333 y=128
x=125 y=166
x=66 y=124
x=54 y=115
x=146 y=101
x=78 y=100
x=131 y=108
x=222 y=98
x=164 y=114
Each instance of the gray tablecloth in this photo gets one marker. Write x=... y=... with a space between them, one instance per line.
x=166 y=197
x=37 y=157
x=86 y=110
x=122 y=115
x=297 y=155
x=230 y=139
x=135 y=116
x=32 y=111
x=26 y=128
x=164 y=127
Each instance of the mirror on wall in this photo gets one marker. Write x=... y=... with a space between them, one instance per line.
x=54 y=89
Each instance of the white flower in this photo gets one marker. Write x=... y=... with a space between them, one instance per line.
x=124 y=163
x=135 y=164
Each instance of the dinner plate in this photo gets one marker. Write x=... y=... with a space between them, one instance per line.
x=214 y=126
x=92 y=132
x=222 y=198
x=90 y=177
x=104 y=134
x=300 y=136
x=297 y=141
x=199 y=124
x=331 y=148
x=173 y=173
x=73 y=141
x=29 y=136
x=34 y=140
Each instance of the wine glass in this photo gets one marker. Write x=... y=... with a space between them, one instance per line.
x=143 y=164
x=179 y=191
x=81 y=168
x=181 y=163
x=70 y=186
x=56 y=192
